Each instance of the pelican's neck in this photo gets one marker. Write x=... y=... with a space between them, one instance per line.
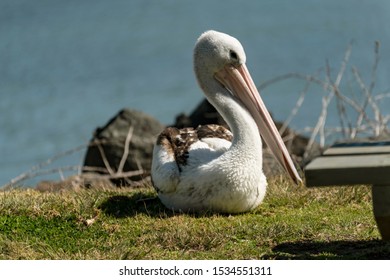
x=246 y=137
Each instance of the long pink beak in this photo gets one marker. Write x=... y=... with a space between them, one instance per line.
x=238 y=81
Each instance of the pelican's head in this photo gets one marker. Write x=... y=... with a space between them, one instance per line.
x=219 y=63
x=214 y=50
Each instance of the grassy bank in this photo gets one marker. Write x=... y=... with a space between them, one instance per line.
x=292 y=223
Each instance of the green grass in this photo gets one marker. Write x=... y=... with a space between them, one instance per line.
x=292 y=223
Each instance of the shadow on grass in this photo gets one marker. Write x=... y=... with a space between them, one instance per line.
x=122 y=206
x=312 y=250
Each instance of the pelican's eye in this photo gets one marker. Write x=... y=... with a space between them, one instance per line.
x=233 y=55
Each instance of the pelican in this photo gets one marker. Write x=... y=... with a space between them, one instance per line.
x=210 y=168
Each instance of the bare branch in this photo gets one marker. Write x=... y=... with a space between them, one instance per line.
x=58 y=156
x=125 y=149
x=296 y=108
x=36 y=173
x=116 y=175
x=375 y=66
x=104 y=158
x=377 y=114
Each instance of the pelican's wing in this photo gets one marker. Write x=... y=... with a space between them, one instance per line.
x=175 y=148
x=165 y=170
x=215 y=136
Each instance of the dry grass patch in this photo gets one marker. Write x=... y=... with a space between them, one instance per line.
x=292 y=223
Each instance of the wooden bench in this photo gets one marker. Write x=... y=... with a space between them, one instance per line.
x=357 y=163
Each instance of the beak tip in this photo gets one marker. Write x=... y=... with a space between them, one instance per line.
x=291 y=170
x=298 y=181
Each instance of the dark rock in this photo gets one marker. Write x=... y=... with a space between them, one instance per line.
x=110 y=141
x=203 y=114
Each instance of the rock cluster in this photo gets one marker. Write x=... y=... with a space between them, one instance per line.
x=108 y=154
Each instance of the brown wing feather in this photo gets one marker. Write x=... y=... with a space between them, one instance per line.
x=214 y=131
x=178 y=141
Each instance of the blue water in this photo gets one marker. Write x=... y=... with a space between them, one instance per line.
x=66 y=67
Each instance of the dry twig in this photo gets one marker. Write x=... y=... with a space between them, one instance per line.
x=98 y=172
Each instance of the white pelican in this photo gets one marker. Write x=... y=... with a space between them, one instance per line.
x=210 y=168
